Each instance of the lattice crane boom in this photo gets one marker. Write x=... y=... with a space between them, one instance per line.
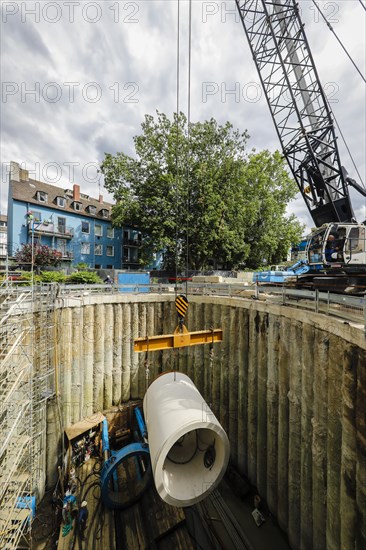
x=298 y=106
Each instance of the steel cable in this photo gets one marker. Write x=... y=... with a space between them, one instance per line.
x=340 y=42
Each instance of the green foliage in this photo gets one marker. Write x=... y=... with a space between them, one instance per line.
x=38 y=255
x=80 y=277
x=83 y=277
x=43 y=277
x=82 y=266
x=27 y=277
x=53 y=277
x=211 y=197
x=268 y=190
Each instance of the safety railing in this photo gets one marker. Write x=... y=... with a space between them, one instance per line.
x=351 y=308
x=348 y=307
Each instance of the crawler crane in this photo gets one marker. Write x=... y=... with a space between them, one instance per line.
x=336 y=250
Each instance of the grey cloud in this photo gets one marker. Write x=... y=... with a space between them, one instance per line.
x=86 y=131
x=25 y=35
x=107 y=53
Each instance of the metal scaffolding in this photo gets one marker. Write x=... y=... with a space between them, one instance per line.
x=26 y=383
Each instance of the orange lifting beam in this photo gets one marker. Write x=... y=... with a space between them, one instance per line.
x=180 y=339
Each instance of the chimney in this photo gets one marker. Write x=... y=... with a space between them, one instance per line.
x=14 y=171
x=101 y=199
x=24 y=175
x=76 y=192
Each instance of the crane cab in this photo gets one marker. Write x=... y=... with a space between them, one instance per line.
x=338 y=245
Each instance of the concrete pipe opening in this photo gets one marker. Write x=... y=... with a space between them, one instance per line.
x=189 y=449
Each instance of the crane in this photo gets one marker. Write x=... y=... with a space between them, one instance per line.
x=305 y=128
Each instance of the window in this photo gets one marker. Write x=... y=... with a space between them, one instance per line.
x=92 y=209
x=98 y=266
x=85 y=248
x=61 y=246
x=98 y=230
x=42 y=196
x=104 y=212
x=357 y=240
x=98 y=249
x=77 y=206
x=126 y=254
x=3 y=224
x=85 y=227
x=110 y=232
x=61 y=225
x=109 y=266
x=36 y=216
x=110 y=250
x=61 y=201
x=125 y=235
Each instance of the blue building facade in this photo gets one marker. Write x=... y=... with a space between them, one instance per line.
x=69 y=221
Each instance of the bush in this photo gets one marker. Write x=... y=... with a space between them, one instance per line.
x=53 y=277
x=25 y=279
x=82 y=266
x=83 y=277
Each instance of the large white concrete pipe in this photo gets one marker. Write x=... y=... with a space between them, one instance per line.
x=188 y=447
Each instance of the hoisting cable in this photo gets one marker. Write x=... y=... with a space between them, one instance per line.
x=340 y=42
x=210 y=389
x=188 y=136
x=362 y=4
x=177 y=150
x=348 y=149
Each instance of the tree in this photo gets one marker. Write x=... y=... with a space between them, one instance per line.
x=199 y=197
x=38 y=255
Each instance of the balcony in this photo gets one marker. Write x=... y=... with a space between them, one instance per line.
x=131 y=242
x=66 y=255
x=50 y=230
x=130 y=261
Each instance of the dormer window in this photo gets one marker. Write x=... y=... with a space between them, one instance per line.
x=104 y=212
x=77 y=206
x=42 y=196
x=83 y=196
x=61 y=202
x=92 y=209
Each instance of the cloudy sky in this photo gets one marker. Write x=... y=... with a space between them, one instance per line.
x=79 y=76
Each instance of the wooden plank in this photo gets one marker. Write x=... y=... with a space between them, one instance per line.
x=108 y=538
x=92 y=496
x=178 y=539
x=88 y=423
x=131 y=525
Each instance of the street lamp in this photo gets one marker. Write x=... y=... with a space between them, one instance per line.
x=32 y=221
